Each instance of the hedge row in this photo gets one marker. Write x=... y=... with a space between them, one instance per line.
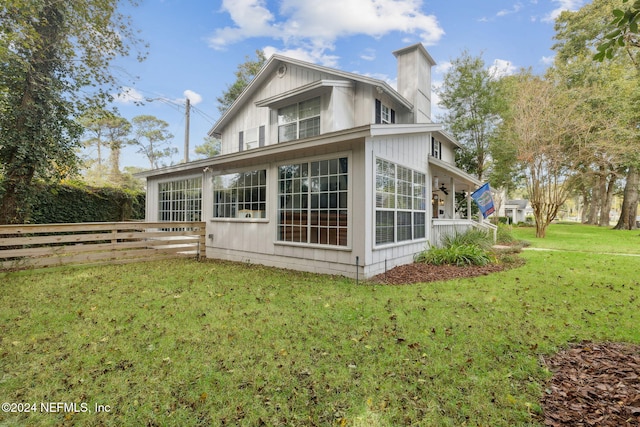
x=65 y=203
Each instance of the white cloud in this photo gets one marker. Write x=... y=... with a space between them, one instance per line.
x=563 y=5
x=368 y=54
x=442 y=67
x=128 y=95
x=313 y=54
x=548 y=60
x=315 y=26
x=194 y=98
x=516 y=8
x=501 y=68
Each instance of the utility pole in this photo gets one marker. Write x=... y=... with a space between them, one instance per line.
x=186 y=131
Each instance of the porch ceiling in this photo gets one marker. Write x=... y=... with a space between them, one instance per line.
x=445 y=172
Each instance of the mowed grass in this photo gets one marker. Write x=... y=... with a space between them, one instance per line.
x=213 y=343
x=583 y=238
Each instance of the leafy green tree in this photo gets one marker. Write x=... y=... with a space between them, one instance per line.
x=590 y=33
x=244 y=74
x=153 y=139
x=53 y=56
x=111 y=131
x=623 y=33
x=210 y=147
x=470 y=94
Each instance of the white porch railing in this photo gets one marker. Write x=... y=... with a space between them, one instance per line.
x=446 y=227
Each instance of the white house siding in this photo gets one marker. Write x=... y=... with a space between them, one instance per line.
x=342 y=107
x=410 y=151
x=251 y=116
x=255 y=240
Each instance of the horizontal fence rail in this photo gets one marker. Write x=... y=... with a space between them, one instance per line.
x=46 y=245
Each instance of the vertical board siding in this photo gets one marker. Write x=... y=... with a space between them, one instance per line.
x=409 y=151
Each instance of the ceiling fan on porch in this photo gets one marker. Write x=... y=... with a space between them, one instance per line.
x=444 y=190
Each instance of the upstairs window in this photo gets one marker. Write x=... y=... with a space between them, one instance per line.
x=384 y=113
x=301 y=120
x=436 y=148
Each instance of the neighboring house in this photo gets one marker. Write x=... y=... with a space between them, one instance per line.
x=516 y=210
x=322 y=170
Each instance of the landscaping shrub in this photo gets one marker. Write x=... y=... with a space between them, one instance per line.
x=473 y=247
x=472 y=236
x=504 y=235
x=77 y=202
x=455 y=254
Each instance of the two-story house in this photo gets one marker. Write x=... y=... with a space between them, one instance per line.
x=322 y=170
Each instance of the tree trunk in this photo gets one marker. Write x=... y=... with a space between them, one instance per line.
x=629 y=209
x=607 y=200
x=592 y=215
x=586 y=202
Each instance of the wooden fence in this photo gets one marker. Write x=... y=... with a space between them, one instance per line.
x=45 y=245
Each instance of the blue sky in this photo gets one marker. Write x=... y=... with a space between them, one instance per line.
x=196 y=45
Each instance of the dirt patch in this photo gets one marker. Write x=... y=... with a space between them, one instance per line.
x=594 y=385
x=420 y=272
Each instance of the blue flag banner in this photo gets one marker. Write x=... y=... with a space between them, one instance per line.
x=483 y=198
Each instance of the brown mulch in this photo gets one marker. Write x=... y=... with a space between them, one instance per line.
x=420 y=273
x=594 y=385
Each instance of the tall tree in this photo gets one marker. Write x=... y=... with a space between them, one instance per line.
x=590 y=30
x=52 y=54
x=469 y=93
x=153 y=139
x=105 y=129
x=541 y=122
x=244 y=74
x=117 y=133
x=209 y=148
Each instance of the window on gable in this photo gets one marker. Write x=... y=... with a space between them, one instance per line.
x=436 y=148
x=384 y=113
x=301 y=120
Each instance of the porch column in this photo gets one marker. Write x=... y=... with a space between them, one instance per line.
x=468 y=204
x=453 y=193
x=452 y=197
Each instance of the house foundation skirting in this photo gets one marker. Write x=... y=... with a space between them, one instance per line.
x=352 y=270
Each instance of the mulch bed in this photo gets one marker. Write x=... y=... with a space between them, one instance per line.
x=420 y=273
x=594 y=385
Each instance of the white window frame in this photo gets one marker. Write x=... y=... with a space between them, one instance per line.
x=400 y=193
x=180 y=199
x=318 y=230
x=241 y=202
x=385 y=114
x=297 y=117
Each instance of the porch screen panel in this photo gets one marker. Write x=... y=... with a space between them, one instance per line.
x=313 y=202
x=180 y=200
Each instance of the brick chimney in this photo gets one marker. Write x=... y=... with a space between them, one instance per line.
x=414 y=79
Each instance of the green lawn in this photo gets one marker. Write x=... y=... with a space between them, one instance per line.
x=583 y=238
x=183 y=343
